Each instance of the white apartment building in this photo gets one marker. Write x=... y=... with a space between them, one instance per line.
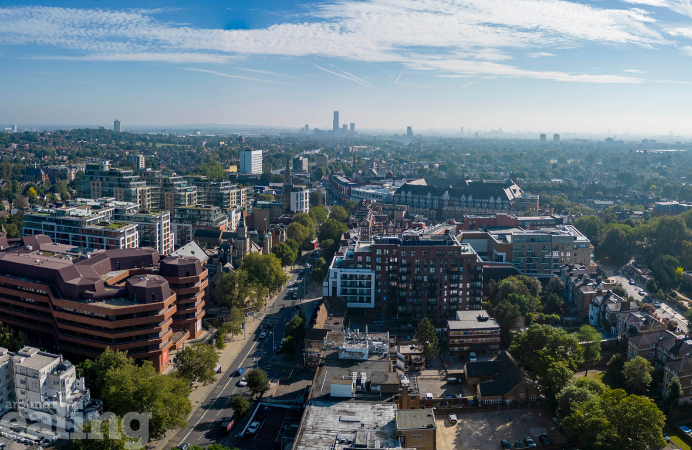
x=138 y=160
x=251 y=161
x=300 y=200
x=47 y=390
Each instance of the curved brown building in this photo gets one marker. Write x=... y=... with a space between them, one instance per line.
x=80 y=303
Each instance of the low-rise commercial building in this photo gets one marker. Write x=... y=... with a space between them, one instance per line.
x=473 y=331
x=416 y=428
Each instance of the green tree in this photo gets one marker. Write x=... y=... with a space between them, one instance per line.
x=316 y=199
x=296 y=328
x=555 y=375
x=306 y=221
x=265 y=197
x=240 y=404
x=196 y=363
x=339 y=214
x=553 y=303
x=673 y=394
x=285 y=253
x=637 y=374
x=350 y=206
x=318 y=214
x=591 y=343
x=141 y=389
x=265 y=270
x=581 y=390
x=12 y=340
x=615 y=243
x=232 y=289
x=320 y=270
x=212 y=170
x=297 y=232
x=331 y=229
x=257 y=382
x=590 y=226
x=664 y=270
x=507 y=316
x=234 y=324
x=540 y=343
x=94 y=371
x=426 y=338
x=105 y=435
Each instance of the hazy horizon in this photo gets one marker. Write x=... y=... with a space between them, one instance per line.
x=613 y=67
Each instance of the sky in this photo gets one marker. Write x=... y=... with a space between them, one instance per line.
x=615 y=66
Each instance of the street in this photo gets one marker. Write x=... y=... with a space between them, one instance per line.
x=665 y=311
x=204 y=424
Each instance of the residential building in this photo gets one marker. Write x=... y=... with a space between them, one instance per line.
x=81 y=226
x=80 y=303
x=64 y=173
x=137 y=160
x=556 y=138
x=176 y=193
x=416 y=428
x=116 y=126
x=300 y=163
x=542 y=138
x=321 y=160
x=222 y=194
x=501 y=381
x=35 y=175
x=605 y=308
x=251 y=161
x=47 y=390
x=335 y=122
x=670 y=208
x=299 y=199
x=188 y=218
x=101 y=180
x=472 y=331
x=422 y=273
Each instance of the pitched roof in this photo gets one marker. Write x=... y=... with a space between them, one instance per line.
x=508 y=375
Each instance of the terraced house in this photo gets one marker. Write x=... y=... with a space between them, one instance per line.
x=80 y=303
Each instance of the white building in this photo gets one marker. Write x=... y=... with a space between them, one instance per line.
x=355 y=286
x=138 y=160
x=300 y=200
x=47 y=389
x=251 y=161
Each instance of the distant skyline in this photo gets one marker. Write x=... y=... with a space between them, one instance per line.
x=552 y=66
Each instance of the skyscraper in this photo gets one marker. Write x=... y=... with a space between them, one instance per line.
x=335 y=123
x=116 y=126
x=251 y=161
x=307 y=128
x=409 y=132
x=344 y=128
x=556 y=138
x=353 y=128
x=542 y=138
x=462 y=130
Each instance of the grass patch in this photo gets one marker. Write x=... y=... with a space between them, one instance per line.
x=675 y=439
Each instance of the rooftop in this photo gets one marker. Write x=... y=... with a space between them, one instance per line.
x=467 y=320
x=415 y=419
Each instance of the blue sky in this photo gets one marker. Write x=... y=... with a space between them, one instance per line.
x=540 y=65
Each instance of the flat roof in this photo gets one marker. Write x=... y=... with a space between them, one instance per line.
x=474 y=319
x=415 y=419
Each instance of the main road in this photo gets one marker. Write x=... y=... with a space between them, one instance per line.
x=203 y=426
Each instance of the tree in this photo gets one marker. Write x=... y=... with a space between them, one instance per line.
x=141 y=389
x=94 y=371
x=306 y=221
x=664 y=270
x=579 y=391
x=553 y=303
x=234 y=325
x=232 y=289
x=297 y=232
x=320 y=270
x=533 y=347
x=507 y=316
x=332 y=229
x=111 y=436
x=590 y=340
x=240 y=404
x=555 y=286
x=615 y=243
x=265 y=197
x=12 y=340
x=257 y=382
x=426 y=337
x=316 y=199
x=339 y=214
x=615 y=420
x=20 y=202
x=318 y=214
x=350 y=206
x=590 y=226
x=196 y=363
x=285 y=253
x=673 y=394
x=554 y=376
x=637 y=373
x=265 y=270
x=296 y=328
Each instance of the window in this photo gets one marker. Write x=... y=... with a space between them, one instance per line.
x=416 y=436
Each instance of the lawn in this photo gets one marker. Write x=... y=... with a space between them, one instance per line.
x=675 y=439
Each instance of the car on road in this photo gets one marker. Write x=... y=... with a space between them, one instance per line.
x=242 y=382
x=632 y=282
x=240 y=371
x=657 y=305
x=642 y=292
x=666 y=438
x=268 y=326
x=544 y=439
x=453 y=418
x=472 y=357
x=452 y=380
x=295 y=296
x=505 y=445
x=306 y=265
x=183 y=446
x=252 y=429
x=263 y=335
x=518 y=444
x=529 y=442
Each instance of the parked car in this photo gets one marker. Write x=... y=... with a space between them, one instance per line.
x=504 y=444
x=252 y=429
x=183 y=446
x=666 y=438
x=242 y=382
x=240 y=371
x=263 y=335
x=528 y=441
x=268 y=326
x=452 y=380
x=686 y=430
x=518 y=444
x=453 y=418
x=642 y=292
x=544 y=439
x=295 y=295
x=262 y=413
x=472 y=357
x=632 y=282
x=306 y=265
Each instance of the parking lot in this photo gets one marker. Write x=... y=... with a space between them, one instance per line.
x=440 y=388
x=481 y=431
x=268 y=436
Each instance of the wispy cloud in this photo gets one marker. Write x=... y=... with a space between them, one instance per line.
x=469 y=84
x=397 y=78
x=683 y=7
x=267 y=72
x=466 y=38
x=228 y=75
x=540 y=54
x=355 y=80
x=633 y=71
